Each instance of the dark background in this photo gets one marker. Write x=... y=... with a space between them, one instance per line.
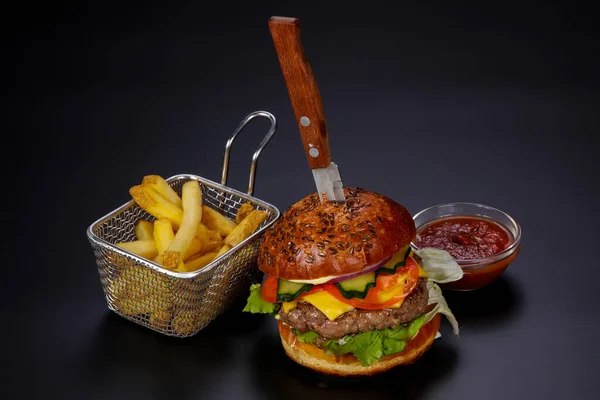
x=426 y=103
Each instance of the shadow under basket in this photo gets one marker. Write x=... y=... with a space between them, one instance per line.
x=179 y=303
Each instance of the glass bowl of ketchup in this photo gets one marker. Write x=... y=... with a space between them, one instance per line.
x=483 y=240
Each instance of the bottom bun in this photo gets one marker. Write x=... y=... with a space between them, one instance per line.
x=314 y=358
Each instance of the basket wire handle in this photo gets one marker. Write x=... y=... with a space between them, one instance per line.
x=263 y=143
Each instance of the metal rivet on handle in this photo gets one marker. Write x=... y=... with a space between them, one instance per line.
x=304 y=121
x=314 y=152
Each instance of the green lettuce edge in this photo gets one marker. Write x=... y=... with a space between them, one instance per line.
x=257 y=305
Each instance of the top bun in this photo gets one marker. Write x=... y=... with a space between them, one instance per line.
x=314 y=239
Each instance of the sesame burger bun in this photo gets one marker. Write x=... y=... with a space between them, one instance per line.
x=314 y=358
x=314 y=239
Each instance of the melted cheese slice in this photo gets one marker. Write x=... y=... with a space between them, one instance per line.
x=387 y=295
x=288 y=306
x=327 y=304
x=397 y=305
x=422 y=274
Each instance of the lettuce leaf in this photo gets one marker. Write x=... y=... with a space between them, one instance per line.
x=439 y=265
x=309 y=337
x=257 y=305
x=370 y=346
x=441 y=306
x=440 y=268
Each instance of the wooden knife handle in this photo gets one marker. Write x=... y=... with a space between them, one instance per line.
x=303 y=90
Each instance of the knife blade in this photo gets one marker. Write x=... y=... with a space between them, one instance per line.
x=329 y=183
x=308 y=107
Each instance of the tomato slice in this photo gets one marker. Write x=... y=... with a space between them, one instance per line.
x=389 y=290
x=268 y=290
x=388 y=281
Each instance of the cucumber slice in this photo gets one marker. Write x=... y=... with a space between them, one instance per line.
x=397 y=261
x=357 y=287
x=289 y=291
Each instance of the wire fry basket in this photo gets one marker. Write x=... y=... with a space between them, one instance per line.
x=180 y=303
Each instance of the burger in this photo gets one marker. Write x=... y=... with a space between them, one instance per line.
x=350 y=294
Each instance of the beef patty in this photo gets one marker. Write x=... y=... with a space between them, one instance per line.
x=306 y=317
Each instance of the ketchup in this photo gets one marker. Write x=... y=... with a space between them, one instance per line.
x=465 y=238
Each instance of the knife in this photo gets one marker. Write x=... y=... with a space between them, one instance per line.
x=308 y=108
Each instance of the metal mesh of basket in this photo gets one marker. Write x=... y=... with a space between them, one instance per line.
x=178 y=303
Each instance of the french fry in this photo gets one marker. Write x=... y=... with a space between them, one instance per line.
x=163 y=235
x=132 y=296
x=194 y=248
x=224 y=249
x=131 y=279
x=200 y=262
x=243 y=212
x=133 y=306
x=185 y=322
x=212 y=246
x=217 y=293
x=217 y=222
x=161 y=316
x=186 y=295
x=144 y=230
x=157 y=183
x=142 y=248
x=156 y=205
x=192 y=214
x=149 y=304
x=245 y=228
x=118 y=287
x=211 y=240
x=207 y=235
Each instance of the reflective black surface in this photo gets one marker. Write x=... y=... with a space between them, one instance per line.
x=425 y=103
